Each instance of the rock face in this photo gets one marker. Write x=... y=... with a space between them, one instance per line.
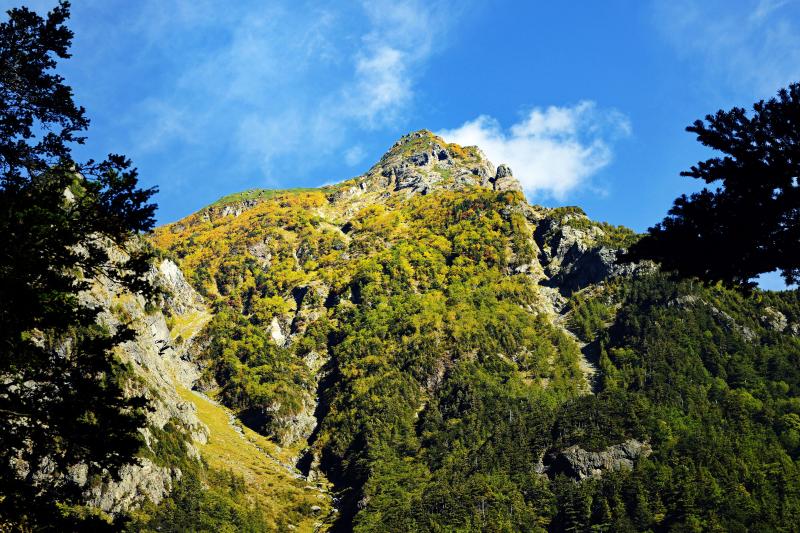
x=235 y=209
x=577 y=463
x=297 y=427
x=582 y=267
x=180 y=297
x=136 y=482
x=276 y=332
x=421 y=162
x=573 y=253
x=161 y=367
x=774 y=319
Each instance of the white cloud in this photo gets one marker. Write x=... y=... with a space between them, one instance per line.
x=270 y=90
x=390 y=58
x=553 y=150
x=750 y=45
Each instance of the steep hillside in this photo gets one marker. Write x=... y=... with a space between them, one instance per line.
x=195 y=456
x=449 y=357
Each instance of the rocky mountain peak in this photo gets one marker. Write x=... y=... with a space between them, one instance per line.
x=420 y=162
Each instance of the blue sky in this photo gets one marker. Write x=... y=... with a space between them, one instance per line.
x=587 y=101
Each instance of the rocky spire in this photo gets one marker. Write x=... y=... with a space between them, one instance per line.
x=504 y=180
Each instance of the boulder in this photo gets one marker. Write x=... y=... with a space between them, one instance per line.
x=577 y=463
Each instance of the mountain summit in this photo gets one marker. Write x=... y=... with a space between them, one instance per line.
x=421 y=162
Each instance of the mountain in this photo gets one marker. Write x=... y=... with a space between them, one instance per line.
x=420 y=349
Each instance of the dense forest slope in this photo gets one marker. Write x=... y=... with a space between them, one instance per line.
x=419 y=349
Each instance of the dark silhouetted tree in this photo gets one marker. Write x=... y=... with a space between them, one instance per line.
x=749 y=224
x=62 y=400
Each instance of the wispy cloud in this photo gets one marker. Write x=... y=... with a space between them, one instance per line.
x=765 y=7
x=381 y=86
x=280 y=81
x=750 y=45
x=354 y=155
x=552 y=150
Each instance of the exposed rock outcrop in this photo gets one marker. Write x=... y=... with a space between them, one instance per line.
x=297 y=427
x=577 y=463
x=420 y=162
x=136 y=483
x=227 y=209
x=276 y=332
x=574 y=254
x=504 y=180
x=774 y=319
x=159 y=367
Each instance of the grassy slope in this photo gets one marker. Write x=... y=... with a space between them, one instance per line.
x=285 y=499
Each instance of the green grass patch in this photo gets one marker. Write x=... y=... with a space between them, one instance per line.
x=258 y=194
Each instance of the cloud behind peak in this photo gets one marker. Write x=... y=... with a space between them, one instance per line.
x=552 y=150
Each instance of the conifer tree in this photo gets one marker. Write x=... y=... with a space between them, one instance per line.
x=61 y=388
x=750 y=224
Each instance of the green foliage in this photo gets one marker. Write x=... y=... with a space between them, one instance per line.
x=617 y=237
x=204 y=501
x=444 y=387
x=469 y=459
x=441 y=375
x=588 y=316
x=203 y=498
x=255 y=194
x=445 y=172
x=255 y=374
x=690 y=370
